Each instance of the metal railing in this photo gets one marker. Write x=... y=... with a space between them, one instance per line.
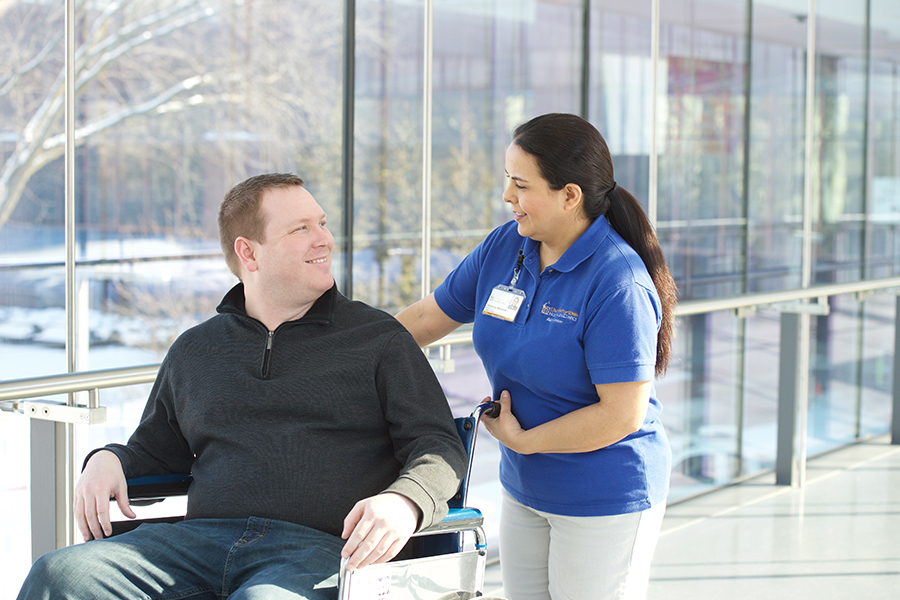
x=784 y=301
x=794 y=305
x=50 y=385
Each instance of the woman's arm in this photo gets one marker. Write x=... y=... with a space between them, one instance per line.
x=619 y=413
x=426 y=321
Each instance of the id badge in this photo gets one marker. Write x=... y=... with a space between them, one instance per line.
x=504 y=303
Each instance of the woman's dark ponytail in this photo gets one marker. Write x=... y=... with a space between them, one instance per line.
x=569 y=149
x=627 y=217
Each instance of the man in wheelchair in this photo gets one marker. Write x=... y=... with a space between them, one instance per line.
x=313 y=426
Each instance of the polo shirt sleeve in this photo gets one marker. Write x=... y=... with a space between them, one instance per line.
x=456 y=295
x=620 y=336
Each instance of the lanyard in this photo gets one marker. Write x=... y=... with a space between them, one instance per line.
x=505 y=300
x=519 y=262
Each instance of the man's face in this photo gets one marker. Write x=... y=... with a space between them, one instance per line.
x=295 y=260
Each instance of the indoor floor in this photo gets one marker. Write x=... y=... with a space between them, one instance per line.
x=836 y=538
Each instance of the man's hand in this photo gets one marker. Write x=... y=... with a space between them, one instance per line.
x=377 y=528
x=101 y=480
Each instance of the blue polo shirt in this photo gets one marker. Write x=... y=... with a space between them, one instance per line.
x=590 y=318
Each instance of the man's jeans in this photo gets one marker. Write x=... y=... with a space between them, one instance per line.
x=197 y=559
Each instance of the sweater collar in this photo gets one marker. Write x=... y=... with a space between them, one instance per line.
x=322 y=311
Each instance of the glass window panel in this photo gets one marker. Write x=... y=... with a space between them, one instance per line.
x=701 y=395
x=473 y=117
x=721 y=399
x=556 y=49
x=620 y=88
x=760 y=391
x=490 y=73
x=883 y=189
x=835 y=371
x=32 y=242
x=776 y=147
x=839 y=140
x=32 y=250
x=880 y=313
x=165 y=126
x=701 y=212
x=387 y=194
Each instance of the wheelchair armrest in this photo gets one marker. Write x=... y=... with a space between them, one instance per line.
x=143 y=491
x=447 y=569
x=457 y=520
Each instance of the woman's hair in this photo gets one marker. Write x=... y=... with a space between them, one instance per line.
x=568 y=149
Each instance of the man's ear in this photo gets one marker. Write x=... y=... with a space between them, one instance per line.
x=246 y=253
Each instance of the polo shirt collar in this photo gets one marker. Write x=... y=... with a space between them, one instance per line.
x=580 y=250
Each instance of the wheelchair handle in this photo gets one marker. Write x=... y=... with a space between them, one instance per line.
x=489 y=408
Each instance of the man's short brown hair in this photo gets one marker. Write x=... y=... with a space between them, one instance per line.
x=239 y=214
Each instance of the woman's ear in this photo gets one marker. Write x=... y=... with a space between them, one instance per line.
x=573 y=196
x=246 y=253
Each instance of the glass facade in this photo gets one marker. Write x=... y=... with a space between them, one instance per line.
x=756 y=182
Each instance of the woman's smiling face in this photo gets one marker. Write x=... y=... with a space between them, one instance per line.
x=539 y=211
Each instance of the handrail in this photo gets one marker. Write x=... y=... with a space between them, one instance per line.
x=696 y=307
x=19 y=389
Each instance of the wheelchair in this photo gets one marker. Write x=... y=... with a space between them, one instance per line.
x=441 y=567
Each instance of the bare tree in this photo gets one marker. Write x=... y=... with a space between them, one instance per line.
x=105 y=42
x=253 y=70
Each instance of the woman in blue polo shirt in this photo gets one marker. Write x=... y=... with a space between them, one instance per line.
x=572 y=304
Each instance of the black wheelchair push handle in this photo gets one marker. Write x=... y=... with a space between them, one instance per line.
x=489 y=408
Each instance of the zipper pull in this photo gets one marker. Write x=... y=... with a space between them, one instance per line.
x=267 y=354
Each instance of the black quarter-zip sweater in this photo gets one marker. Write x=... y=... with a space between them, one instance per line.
x=301 y=423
